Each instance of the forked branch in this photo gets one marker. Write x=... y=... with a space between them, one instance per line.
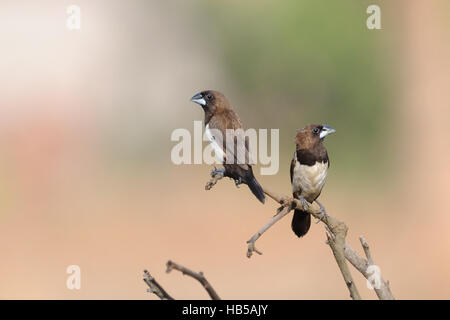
x=158 y=290
x=336 y=234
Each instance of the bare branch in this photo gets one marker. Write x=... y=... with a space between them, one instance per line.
x=155 y=287
x=337 y=245
x=366 y=248
x=198 y=276
x=256 y=236
x=383 y=290
x=336 y=234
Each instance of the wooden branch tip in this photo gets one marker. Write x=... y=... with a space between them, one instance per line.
x=366 y=249
x=199 y=276
x=155 y=287
x=251 y=243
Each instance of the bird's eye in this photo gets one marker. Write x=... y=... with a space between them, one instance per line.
x=316 y=130
x=209 y=96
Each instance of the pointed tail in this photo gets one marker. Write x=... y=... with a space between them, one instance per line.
x=301 y=222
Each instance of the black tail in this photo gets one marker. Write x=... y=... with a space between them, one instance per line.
x=301 y=222
x=256 y=188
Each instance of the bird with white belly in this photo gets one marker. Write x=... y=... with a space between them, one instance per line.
x=309 y=168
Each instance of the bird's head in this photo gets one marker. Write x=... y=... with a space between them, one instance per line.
x=211 y=101
x=312 y=135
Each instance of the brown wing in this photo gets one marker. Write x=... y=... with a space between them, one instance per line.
x=293 y=162
x=230 y=120
x=292 y=167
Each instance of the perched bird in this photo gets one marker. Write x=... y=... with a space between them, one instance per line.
x=309 y=168
x=219 y=116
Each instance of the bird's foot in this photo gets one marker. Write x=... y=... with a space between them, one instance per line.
x=218 y=172
x=286 y=202
x=305 y=204
x=216 y=175
x=323 y=212
x=237 y=182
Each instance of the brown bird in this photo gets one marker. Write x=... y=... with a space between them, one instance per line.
x=309 y=168
x=234 y=153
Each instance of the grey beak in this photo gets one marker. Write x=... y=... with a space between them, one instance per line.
x=198 y=98
x=326 y=130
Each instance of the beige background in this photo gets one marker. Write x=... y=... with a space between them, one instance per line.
x=86 y=178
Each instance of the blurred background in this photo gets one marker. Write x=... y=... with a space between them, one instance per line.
x=85 y=123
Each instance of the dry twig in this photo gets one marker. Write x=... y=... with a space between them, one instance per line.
x=198 y=276
x=156 y=288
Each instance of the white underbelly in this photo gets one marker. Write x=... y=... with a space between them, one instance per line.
x=309 y=180
x=218 y=151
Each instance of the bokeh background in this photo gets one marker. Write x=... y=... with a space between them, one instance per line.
x=85 y=124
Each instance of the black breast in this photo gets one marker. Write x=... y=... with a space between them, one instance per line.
x=310 y=156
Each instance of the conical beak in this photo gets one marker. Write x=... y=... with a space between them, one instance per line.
x=198 y=98
x=326 y=130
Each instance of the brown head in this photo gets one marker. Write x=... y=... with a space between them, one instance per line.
x=312 y=136
x=211 y=101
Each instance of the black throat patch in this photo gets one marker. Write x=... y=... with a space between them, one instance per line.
x=309 y=157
